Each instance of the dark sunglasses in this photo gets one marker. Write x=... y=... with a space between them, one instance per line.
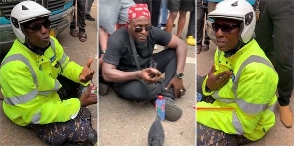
x=225 y=28
x=139 y=29
x=38 y=26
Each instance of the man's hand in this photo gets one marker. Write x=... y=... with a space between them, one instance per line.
x=177 y=84
x=149 y=75
x=215 y=82
x=87 y=73
x=87 y=98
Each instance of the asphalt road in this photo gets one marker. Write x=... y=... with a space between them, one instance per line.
x=79 y=52
x=276 y=136
x=122 y=122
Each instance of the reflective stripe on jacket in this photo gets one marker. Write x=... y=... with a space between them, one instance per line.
x=245 y=104
x=29 y=85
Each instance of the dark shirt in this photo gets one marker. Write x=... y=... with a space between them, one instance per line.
x=119 y=50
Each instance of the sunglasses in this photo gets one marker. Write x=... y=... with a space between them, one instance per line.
x=38 y=26
x=139 y=29
x=225 y=28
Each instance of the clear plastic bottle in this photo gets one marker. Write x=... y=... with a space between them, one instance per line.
x=160 y=107
x=199 y=96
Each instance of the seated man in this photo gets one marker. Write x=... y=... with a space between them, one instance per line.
x=239 y=93
x=143 y=82
x=35 y=82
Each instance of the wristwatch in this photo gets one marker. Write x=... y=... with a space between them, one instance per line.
x=179 y=75
x=103 y=52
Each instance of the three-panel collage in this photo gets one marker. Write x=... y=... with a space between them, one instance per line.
x=147 y=73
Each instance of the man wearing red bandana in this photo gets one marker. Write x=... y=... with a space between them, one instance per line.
x=137 y=72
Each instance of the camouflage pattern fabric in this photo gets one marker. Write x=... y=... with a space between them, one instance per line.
x=76 y=131
x=211 y=137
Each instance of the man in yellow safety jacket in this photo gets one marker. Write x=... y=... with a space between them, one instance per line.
x=239 y=93
x=35 y=75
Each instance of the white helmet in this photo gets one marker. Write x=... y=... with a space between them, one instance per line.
x=24 y=12
x=237 y=10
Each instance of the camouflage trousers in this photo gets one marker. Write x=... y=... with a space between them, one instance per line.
x=76 y=131
x=210 y=137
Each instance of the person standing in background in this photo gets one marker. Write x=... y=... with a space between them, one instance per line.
x=181 y=6
x=202 y=10
x=88 y=9
x=191 y=30
x=275 y=34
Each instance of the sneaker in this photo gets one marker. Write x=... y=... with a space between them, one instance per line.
x=103 y=89
x=172 y=112
x=155 y=47
x=89 y=17
x=190 y=40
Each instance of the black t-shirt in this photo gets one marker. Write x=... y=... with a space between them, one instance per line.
x=119 y=50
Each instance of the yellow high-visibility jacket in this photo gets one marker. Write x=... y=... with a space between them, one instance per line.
x=29 y=85
x=243 y=106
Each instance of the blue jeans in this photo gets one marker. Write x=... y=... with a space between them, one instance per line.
x=163 y=13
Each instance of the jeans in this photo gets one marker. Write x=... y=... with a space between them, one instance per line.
x=163 y=13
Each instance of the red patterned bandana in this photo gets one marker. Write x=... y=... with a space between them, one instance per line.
x=138 y=10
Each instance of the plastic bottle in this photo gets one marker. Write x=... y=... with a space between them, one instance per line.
x=160 y=107
x=93 y=90
x=199 y=96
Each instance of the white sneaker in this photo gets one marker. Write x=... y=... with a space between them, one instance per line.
x=155 y=47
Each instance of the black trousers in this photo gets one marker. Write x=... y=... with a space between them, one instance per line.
x=202 y=10
x=80 y=16
x=154 y=7
x=275 y=34
x=140 y=91
x=191 y=25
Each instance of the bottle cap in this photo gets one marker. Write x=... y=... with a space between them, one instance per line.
x=160 y=97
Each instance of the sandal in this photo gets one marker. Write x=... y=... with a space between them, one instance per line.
x=82 y=36
x=74 y=33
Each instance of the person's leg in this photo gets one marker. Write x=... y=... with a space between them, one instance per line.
x=205 y=47
x=274 y=20
x=210 y=137
x=77 y=131
x=185 y=6
x=140 y=91
x=164 y=12
x=88 y=10
x=191 y=30
x=200 y=26
x=282 y=16
x=81 y=20
x=156 y=5
x=167 y=63
x=173 y=6
x=191 y=25
x=73 y=23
